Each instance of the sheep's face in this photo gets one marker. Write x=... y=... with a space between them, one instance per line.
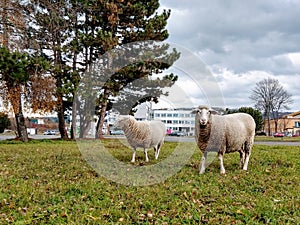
x=121 y=121
x=203 y=115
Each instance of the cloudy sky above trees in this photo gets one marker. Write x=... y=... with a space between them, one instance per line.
x=241 y=42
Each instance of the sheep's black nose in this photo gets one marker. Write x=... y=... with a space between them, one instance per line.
x=203 y=121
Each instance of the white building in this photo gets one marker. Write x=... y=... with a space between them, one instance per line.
x=176 y=119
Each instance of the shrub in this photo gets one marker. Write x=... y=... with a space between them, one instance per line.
x=4 y=122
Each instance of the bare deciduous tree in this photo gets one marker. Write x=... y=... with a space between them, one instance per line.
x=270 y=97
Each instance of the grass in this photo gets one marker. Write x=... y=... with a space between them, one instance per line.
x=49 y=182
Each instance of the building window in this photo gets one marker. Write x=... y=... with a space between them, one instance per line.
x=157 y=115
x=169 y=115
x=297 y=124
x=169 y=121
x=175 y=114
x=175 y=121
x=163 y=115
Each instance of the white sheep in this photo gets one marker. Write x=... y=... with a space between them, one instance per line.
x=224 y=134
x=142 y=134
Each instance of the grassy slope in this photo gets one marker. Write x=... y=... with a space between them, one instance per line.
x=50 y=183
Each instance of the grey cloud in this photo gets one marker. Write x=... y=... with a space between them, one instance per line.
x=240 y=35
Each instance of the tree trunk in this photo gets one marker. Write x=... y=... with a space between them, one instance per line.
x=61 y=116
x=269 y=127
x=61 y=123
x=74 y=106
x=99 y=134
x=16 y=101
x=21 y=127
x=276 y=125
x=74 y=115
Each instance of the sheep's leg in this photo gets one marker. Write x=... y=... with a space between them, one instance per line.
x=146 y=154
x=156 y=152
x=245 y=167
x=242 y=158
x=202 y=165
x=248 y=147
x=133 y=155
x=157 y=149
x=222 y=169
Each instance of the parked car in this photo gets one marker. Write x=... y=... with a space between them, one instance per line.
x=288 y=134
x=278 y=135
x=178 y=133
x=261 y=133
x=51 y=132
x=116 y=132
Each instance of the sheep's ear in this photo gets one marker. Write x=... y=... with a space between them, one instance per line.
x=213 y=112
x=194 y=111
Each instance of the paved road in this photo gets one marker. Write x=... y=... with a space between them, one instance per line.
x=168 y=138
x=38 y=136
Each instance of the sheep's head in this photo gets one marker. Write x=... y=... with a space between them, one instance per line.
x=203 y=114
x=121 y=121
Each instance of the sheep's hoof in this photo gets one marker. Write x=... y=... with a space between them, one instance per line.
x=222 y=172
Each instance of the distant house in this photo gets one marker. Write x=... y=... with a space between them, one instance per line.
x=287 y=123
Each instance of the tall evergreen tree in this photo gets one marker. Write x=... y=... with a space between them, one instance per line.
x=20 y=71
x=75 y=33
x=125 y=22
x=19 y=76
x=52 y=30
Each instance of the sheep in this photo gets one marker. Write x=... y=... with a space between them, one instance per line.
x=224 y=134
x=142 y=134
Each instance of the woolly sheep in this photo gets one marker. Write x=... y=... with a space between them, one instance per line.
x=224 y=134
x=142 y=134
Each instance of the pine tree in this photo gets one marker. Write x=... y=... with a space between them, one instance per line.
x=74 y=34
x=125 y=22
x=19 y=72
x=23 y=84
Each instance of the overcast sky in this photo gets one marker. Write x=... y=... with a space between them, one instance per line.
x=242 y=42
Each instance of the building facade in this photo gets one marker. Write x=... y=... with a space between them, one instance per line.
x=176 y=120
x=289 y=124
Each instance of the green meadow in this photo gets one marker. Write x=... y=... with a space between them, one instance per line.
x=50 y=182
